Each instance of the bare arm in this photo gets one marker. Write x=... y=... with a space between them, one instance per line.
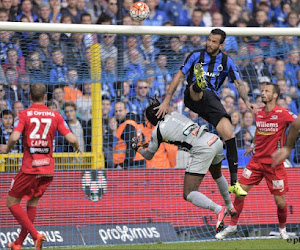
x=283 y=153
x=243 y=94
x=164 y=107
x=71 y=138
x=250 y=150
x=14 y=137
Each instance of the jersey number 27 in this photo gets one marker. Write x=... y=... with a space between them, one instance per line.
x=34 y=134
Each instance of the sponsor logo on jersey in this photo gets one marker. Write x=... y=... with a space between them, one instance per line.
x=267 y=128
x=211 y=74
x=278 y=111
x=278 y=184
x=274 y=117
x=212 y=140
x=41 y=162
x=29 y=113
x=259 y=116
x=39 y=150
x=247 y=173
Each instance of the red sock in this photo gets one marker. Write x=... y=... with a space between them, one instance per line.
x=238 y=205
x=282 y=215
x=31 y=212
x=21 y=216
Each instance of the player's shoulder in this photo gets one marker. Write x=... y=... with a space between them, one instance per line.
x=195 y=54
x=285 y=111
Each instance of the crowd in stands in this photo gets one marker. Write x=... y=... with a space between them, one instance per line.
x=135 y=67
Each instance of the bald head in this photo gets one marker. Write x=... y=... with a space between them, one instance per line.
x=38 y=92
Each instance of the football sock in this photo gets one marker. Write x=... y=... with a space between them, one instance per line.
x=31 y=212
x=223 y=188
x=200 y=200
x=22 y=217
x=238 y=205
x=232 y=158
x=282 y=215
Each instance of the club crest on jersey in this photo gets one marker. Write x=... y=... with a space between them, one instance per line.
x=220 y=67
x=274 y=117
x=278 y=184
x=29 y=113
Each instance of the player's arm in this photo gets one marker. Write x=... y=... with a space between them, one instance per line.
x=251 y=149
x=71 y=138
x=243 y=94
x=14 y=137
x=163 y=108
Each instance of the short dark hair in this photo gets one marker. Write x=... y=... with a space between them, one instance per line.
x=85 y=14
x=219 y=32
x=70 y=104
x=276 y=88
x=37 y=92
x=6 y=112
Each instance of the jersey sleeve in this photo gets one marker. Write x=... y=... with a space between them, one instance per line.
x=63 y=127
x=233 y=73
x=290 y=116
x=154 y=143
x=189 y=62
x=20 y=123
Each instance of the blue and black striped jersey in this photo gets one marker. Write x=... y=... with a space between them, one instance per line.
x=216 y=68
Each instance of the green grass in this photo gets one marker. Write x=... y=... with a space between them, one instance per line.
x=232 y=244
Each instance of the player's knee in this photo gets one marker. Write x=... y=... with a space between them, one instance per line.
x=280 y=203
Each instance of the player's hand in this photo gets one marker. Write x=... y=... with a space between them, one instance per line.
x=3 y=149
x=279 y=156
x=163 y=109
x=252 y=107
x=249 y=151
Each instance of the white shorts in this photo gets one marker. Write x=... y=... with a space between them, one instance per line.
x=207 y=152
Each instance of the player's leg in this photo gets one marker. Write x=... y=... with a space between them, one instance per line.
x=282 y=215
x=31 y=212
x=216 y=173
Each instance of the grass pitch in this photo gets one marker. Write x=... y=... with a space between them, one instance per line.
x=271 y=244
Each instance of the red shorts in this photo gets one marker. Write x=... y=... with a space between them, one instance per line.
x=29 y=185
x=276 y=177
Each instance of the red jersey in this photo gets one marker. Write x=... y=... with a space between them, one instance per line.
x=271 y=132
x=39 y=125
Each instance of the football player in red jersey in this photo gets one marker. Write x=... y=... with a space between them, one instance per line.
x=271 y=124
x=38 y=125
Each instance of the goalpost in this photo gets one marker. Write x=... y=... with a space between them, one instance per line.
x=88 y=204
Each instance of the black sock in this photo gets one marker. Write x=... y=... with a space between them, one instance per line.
x=196 y=88
x=232 y=158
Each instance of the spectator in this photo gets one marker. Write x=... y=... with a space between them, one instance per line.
x=108 y=49
x=7 y=122
x=59 y=71
x=260 y=18
x=55 y=7
x=59 y=96
x=156 y=17
x=17 y=107
x=205 y=6
x=243 y=139
x=109 y=76
x=248 y=122
x=67 y=19
x=134 y=70
x=95 y=9
x=11 y=89
x=163 y=42
x=44 y=13
x=23 y=89
x=154 y=88
x=88 y=38
x=111 y=10
x=231 y=14
x=56 y=42
x=141 y=100
x=131 y=43
x=229 y=104
x=6 y=44
x=7 y=7
x=44 y=50
x=176 y=54
x=26 y=10
x=128 y=127
x=241 y=106
x=71 y=90
x=127 y=20
x=276 y=14
x=75 y=125
x=35 y=68
x=293 y=65
x=3 y=15
x=235 y=121
x=108 y=137
x=279 y=72
x=197 y=18
x=4 y=103
x=84 y=102
x=122 y=94
x=104 y=19
x=13 y=61
x=72 y=11
x=147 y=49
x=84 y=70
x=178 y=13
x=162 y=76
x=76 y=56
x=127 y=6
x=80 y=5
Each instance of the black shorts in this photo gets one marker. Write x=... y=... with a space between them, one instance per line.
x=209 y=107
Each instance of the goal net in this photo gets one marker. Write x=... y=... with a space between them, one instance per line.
x=107 y=195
